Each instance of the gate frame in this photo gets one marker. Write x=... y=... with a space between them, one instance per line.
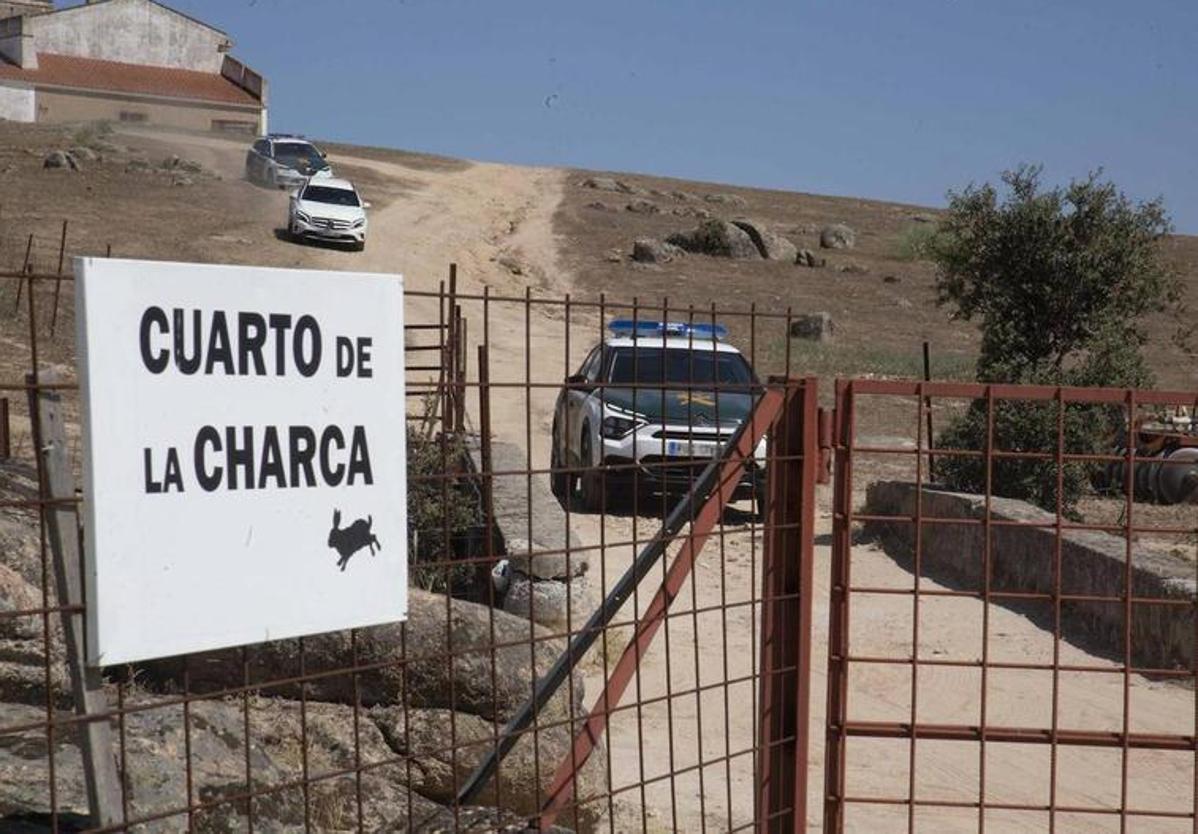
x=787 y=415
x=787 y=589
x=839 y=728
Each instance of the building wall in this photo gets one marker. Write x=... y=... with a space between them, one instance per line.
x=8 y=8
x=133 y=32
x=18 y=104
x=56 y=106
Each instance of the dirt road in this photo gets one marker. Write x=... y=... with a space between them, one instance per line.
x=495 y=220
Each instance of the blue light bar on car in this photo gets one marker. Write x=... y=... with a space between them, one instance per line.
x=630 y=328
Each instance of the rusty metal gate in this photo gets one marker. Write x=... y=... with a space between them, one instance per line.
x=383 y=729
x=644 y=663
x=995 y=665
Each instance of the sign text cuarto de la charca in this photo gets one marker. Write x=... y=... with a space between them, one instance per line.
x=244 y=454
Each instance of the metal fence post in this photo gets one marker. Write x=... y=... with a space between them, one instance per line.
x=62 y=530
x=5 y=431
x=787 y=577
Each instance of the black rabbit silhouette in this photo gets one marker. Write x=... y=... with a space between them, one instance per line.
x=353 y=538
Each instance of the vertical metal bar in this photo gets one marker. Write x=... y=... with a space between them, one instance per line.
x=5 y=430
x=188 y=771
x=463 y=359
x=603 y=590
x=124 y=750
x=1193 y=681
x=62 y=250
x=56 y=483
x=774 y=778
x=442 y=375
x=927 y=377
x=24 y=271
x=304 y=767
x=838 y=615
x=1128 y=608
x=357 y=693
x=482 y=574
x=787 y=575
x=987 y=558
x=247 y=745
x=754 y=670
x=918 y=569
x=690 y=405
x=451 y=340
x=724 y=667
x=668 y=654
x=447 y=553
x=1054 y=749
x=806 y=597
x=690 y=475
x=642 y=785
x=603 y=492
x=488 y=500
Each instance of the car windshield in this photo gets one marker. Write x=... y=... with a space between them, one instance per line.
x=678 y=366
x=301 y=156
x=332 y=196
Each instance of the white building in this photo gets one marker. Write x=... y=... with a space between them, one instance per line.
x=123 y=60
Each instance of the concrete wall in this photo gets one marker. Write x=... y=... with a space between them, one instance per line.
x=133 y=32
x=18 y=104
x=62 y=106
x=15 y=7
x=1023 y=559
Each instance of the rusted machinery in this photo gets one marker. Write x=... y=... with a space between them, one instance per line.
x=1170 y=473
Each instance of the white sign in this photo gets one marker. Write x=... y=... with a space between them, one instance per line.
x=245 y=473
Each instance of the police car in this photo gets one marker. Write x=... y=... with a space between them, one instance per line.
x=650 y=406
x=282 y=160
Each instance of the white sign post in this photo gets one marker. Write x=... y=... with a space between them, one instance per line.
x=245 y=466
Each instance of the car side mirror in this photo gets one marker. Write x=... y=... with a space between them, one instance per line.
x=365 y=204
x=578 y=381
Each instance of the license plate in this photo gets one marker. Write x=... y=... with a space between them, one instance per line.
x=690 y=449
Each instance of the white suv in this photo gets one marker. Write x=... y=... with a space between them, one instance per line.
x=650 y=406
x=328 y=209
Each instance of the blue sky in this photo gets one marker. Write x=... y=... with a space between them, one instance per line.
x=890 y=99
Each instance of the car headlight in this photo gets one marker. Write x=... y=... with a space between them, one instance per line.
x=614 y=427
x=303 y=218
x=359 y=223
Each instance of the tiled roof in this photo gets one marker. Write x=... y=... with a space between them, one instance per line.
x=111 y=76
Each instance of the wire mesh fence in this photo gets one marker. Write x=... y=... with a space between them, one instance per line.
x=1003 y=664
x=617 y=578
x=641 y=584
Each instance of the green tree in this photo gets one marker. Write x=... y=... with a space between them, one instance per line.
x=1060 y=281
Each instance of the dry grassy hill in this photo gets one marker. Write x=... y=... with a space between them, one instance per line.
x=881 y=297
